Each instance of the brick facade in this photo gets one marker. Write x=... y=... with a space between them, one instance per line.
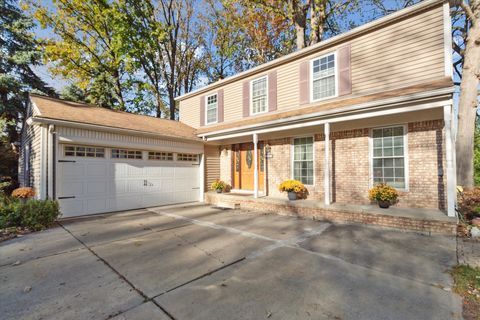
x=350 y=166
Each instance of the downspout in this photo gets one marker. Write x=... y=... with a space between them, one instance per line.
x=51 y=143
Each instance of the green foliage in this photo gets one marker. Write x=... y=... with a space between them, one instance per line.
x=34 y=214
x=467 y=285
x=476 y=155
x=19 y=53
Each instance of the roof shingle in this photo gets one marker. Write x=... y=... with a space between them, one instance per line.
x=56 y=109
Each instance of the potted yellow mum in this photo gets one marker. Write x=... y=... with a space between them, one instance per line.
x=218 y=186
x=383 y=194
x=292 y=187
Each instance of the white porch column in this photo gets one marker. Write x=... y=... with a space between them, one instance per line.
x=326 y=166
x=202 y=177
x=450 y=163
x=255 y=165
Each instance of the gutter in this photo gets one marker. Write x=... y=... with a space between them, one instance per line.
x=88 y=126
x=424 y=5
x=392 y=102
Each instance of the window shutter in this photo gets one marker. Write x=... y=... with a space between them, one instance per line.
x=220 y=105
x=304 y=77
x=344 y=71
x=272 y=91
x=202 y=111
x=246 y=98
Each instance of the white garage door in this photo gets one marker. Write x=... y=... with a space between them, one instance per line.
x=99 y=183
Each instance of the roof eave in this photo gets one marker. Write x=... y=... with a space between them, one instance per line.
x=83 y=125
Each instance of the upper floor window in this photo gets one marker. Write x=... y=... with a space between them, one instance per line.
x=259 y=95
x=212 y=107
x=388 y=156
x=126 y=154
x=84 y=151
x=323 y=77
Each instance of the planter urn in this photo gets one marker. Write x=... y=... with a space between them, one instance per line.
x=218 y=190
x=383 y=204
x=292 y=195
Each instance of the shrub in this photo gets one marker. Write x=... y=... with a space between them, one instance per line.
x=291 y=186
x=469 y=203
x=218 y=185
x=23 y=193
x=383 y=192
x=33 y=214
x=39 y=214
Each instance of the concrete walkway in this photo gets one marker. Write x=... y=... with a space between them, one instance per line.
x=199 y=262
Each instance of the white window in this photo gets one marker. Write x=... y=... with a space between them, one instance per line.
x=388 y=156
x=187 y=157
x=323 y=71
x=259 y=95
x=303 y=160
x=166 y=156
x=212 y=108
x=126 y=154
x=84 y=151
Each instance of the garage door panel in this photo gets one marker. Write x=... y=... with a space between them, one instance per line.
x=73 y=170
x=96 y=170
x=96 y=187
x=70 y=188
x=105 y=184
x=71 y=207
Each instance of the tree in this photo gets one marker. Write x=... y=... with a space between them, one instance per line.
x=87 y=48
x=313 y=19
x=467 y=105
x=19 y=52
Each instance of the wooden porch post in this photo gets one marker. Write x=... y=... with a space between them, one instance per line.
x=326 y=168
x=255 y=165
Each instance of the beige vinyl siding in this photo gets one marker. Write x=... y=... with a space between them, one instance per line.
x=31 y=137
x=406 y=52
x=212 y=165
x=103 y=138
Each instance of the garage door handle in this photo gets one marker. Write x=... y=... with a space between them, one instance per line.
x=67 y=161
x=196 y=188
x=71 y=197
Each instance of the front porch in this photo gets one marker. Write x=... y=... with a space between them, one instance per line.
x=414 y=219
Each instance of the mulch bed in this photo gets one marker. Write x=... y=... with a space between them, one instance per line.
x=10 y=233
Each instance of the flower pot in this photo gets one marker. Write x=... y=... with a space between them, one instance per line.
x=292 y=195
x=218 y=190
x=383 y=204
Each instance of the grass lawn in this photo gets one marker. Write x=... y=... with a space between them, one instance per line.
x=467 y=284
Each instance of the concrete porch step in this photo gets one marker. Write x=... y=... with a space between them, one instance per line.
x=414 y=219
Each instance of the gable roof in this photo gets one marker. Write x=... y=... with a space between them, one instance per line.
x=341 y=38
x=56 y=109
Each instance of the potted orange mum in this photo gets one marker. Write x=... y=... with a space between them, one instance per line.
x=383 y=194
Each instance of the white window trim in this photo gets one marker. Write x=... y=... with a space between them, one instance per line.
x=335 y=75
x=251 y=95
x=206 y=109
x=292 y=157
x=405 y=155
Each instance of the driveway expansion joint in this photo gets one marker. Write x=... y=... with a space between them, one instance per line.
x=140 y=292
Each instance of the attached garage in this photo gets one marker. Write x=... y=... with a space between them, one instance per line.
x=95 y=160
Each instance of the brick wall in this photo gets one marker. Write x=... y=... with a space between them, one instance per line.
x=350 y=166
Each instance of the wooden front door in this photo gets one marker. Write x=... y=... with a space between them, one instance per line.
x=243 y=166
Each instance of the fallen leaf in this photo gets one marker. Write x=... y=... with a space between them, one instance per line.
x=27 y=289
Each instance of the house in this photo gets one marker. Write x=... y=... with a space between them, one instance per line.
x=371 y=105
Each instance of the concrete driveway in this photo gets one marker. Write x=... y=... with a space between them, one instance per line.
x=199 y=262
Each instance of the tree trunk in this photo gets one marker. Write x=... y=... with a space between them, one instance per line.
x=298 y=14
x=171 y=101
x=467 y=106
